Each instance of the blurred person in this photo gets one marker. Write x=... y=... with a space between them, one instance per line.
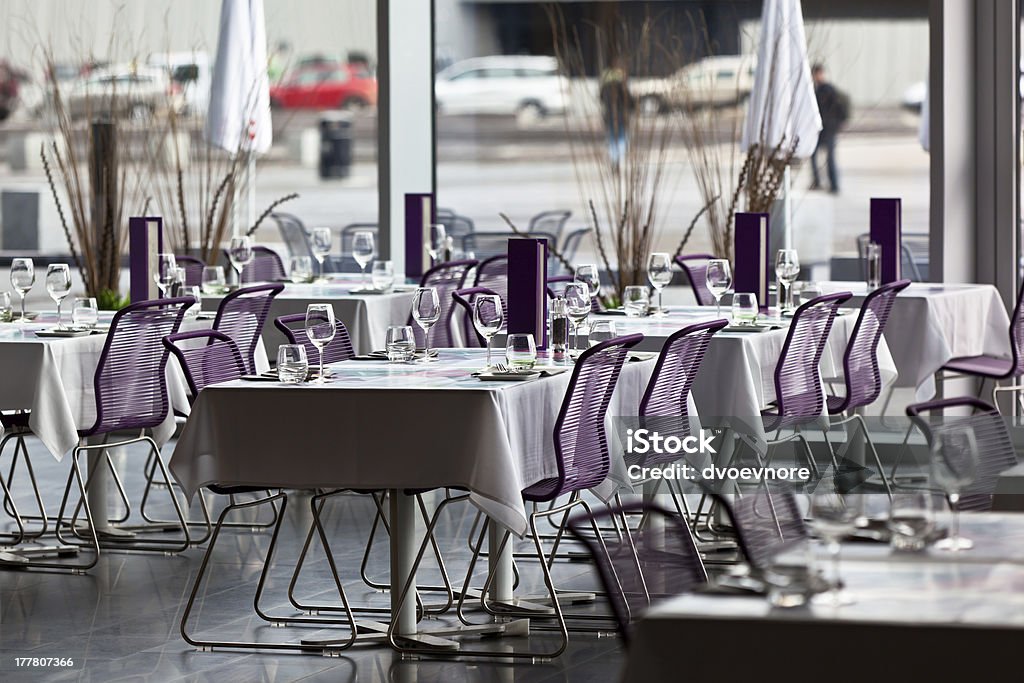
x=834 y=107
x=617 y=107
x=8 y=89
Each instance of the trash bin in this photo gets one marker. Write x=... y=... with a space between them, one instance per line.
x=335 y=144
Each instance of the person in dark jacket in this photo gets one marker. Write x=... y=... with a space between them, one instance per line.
x=616 y=109
x=833 y=109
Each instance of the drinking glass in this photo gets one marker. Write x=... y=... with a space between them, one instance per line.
x=213 y=281
x=438 y=243
x=400 y=343
x=954 y=461
x=180 y=277
x=301 y=269
x=873 y=265
x=833 y=516
x=659 y=272
x=911 y=520
x=488 y=319
x=577 y=307
x=240 y=254
x=382 y=276
x=292 y=364
x=84 y=313
x=320 y=330
x=744 y=308
x=321 y=247
x=363 y=251
x=590 y=276
x=58 y=284
x=23 y=276
x=6 y=311
x=635 y=301
x=787 y=269
x=601 y=331
x=811 y=290
x=719 y=281
x=520 y=351
x=426 y=311
x=165 y=274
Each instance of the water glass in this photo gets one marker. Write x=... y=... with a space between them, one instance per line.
x=320 y=242
x=873 y=265
x=292 y=365
x=911 y=520
x=833 y=516
x=719 y=281
x=363 y=251
x=58 y=284
x=744 y=308
x=382 y=276
x=6 y=310
x=23 y=276
x=320 y=328
x=166 y=272
x=659 y=272
x=213 y=281
x=635 y=301
x=300 y=269
x=240 y=253
x=601 y=331
x=426 y=311
x=488 y=318
x=521 y=351
x=400 y=343
x=787 y=269
x=810 y=291
x=84 y=313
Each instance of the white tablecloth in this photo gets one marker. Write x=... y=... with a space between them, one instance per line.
x=378 y=425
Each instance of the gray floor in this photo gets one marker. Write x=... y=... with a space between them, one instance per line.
x=120 y=622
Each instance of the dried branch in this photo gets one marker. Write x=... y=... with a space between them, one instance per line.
x=270 y=209
x=60 y=208
x=689 y=228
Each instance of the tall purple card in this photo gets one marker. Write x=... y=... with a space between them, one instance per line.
x=886 y=232
x=527 y=288
x=753 y=261
x=145 y=241
x=419 y=215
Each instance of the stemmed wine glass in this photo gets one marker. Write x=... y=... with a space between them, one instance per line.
x=487 y=319
x=577 y=307
x=659 y=272
x=719 y=281
x=590 y=276
x=954 y=462
x=426 y=311
x=166 y=271
x=438 y=243
x=23 y=276
x=58 y=284
x=320 y=330
x=240 y=253
x=787 y=269
x=833 y=516
x=363 y=251
x=321 y=248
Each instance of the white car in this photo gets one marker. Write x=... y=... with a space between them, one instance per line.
x=121 y=91
x=711 y=82
x=525 y=86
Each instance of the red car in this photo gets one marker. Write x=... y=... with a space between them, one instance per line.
x=325 y=86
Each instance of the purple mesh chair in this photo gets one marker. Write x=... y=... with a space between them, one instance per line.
x=266 y=266
x=695 y=266
x=293 y=327
x=583 y=461
x=767 y=521
x=241 y=316
x=640 y=567
x=492 y=273
x=466 y=298
x=446 y=278
x=193 y=269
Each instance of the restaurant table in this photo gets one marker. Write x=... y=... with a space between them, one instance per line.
x=367 y=316
x=378 y=425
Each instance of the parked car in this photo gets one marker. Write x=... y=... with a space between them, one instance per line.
x=121 y=91
x=191 y=76
x=325 y=85
x=519 y=85
x=712 y=82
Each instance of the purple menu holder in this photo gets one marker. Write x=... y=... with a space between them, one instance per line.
x=527 y=289
x=886 y=232
x=753 y=261
x=419 y=214
x=145 y=241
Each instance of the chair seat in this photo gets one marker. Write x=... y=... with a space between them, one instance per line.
x=835 y=404
x=233 y=490
x=543 y=491
x=983 y=366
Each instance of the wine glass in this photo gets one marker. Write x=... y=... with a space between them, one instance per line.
x=719 y=281
x=320 y=330
x=954 y=461
x=744 y=308
x=833 y=516
x=590 y=276
x=363 y=251
x=382 y=276
x=577 y=307
x=601 y=331
x=23 y=276
x=438 y=243
x=787 y=269
x=240 y=253
x=487 y=319
x=321 y=248
x=659 y=272
x=84 y=313
x=58 y=284
x=165 y=273
x=213 y=281
x=426 y=311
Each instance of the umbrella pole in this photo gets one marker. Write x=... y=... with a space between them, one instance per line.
x=787 y=208
x=251 y=182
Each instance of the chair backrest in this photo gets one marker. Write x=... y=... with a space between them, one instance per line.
x=294 y=329
x=695 y=267
x=293 y=234
x=130 y=384
x=571 y=244
x=454 y=225
x=466 y=299
x=484 y=245
x=206 y=357
x=581 y=444
x=193 y=269
x=1017 y=335
x=798 y=388
x=241 y=316
x=549 y=223
x=860 y=362
x=639 y=567
x=446 y=278
x=493 y=274
x=347 y=235
x=266 y=266
x=995 y=453
x=767 y=522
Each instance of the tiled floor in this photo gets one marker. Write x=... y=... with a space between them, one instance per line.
x=120 y=621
